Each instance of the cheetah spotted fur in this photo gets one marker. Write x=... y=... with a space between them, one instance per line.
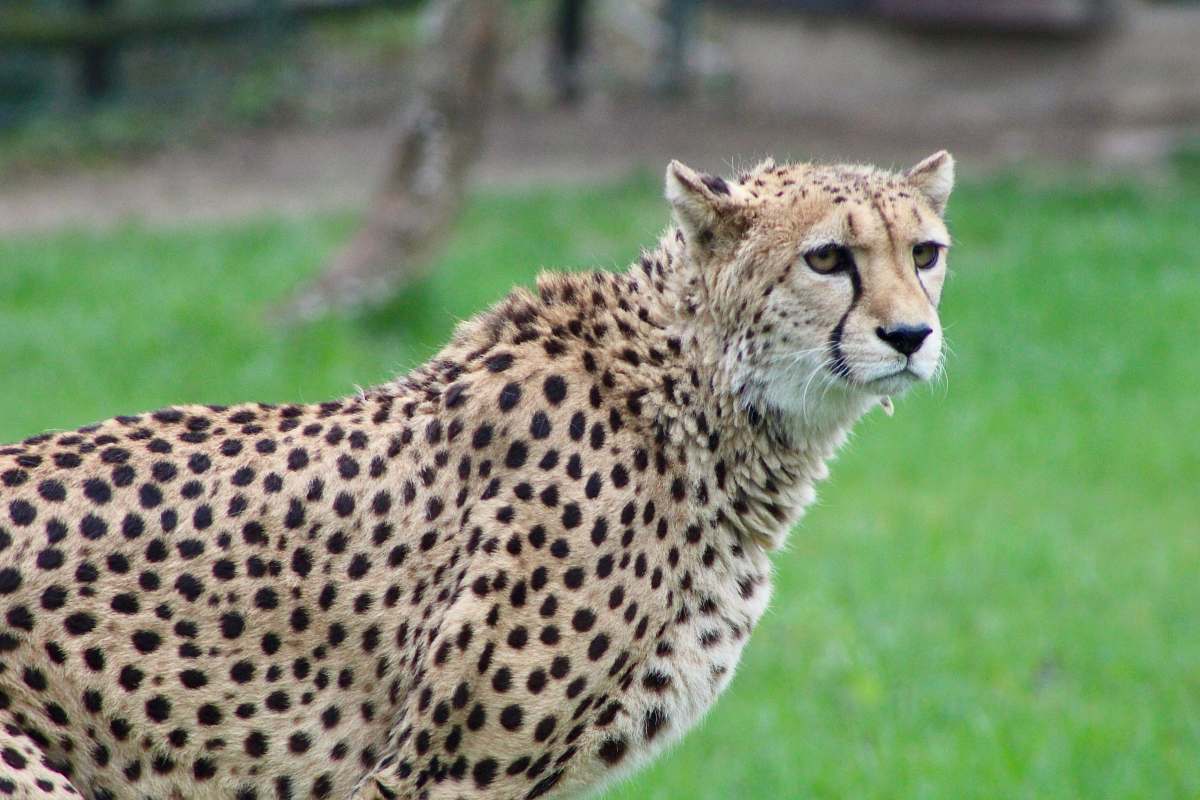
x=520 y=571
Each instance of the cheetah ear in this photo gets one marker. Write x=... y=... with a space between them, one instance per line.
x=934 y=178
x=703 y=204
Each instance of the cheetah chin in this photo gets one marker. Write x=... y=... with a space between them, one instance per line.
x=522 y=570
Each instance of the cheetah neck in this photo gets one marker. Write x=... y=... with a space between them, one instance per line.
x=771 y=461
x=651 y=340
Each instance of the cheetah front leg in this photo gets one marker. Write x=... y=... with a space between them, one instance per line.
x=22 y=774
x=373 y=788
x=456 y=740
x=385 y=781
x=394 y=776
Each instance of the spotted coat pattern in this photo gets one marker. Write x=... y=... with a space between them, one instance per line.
x=520 y=571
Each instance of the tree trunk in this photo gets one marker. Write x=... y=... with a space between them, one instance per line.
x=439 y=137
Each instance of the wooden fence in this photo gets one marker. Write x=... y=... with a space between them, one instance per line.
x=99 y=29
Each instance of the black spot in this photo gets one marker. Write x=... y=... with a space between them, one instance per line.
x=612 y=751
x=163 y=471
x=189 y=586
x=511 y=717
x=656 y=681
x=97 y=490
x=499 y=362
x=545 y=784
x=232 y=625
x=715 y=184
x=10 y=580
x=14 y=477
x=193 y=679
x=347 y=467
x=598 y=647
x=35 y=679
x=295 y=515
x=49 y=559
x=266 y=599
x=203 y=769
x=583 y=620
x=654 y=722
x=242 y=672
x=203 y=517
x=518 y=637
x=302 y=562
x=21 y=512
x=14 y=759
x=20 y=617
x=455 y=395
x=224 y=570
x=482 y=436
x=539 y=426
x=149 y=495
x=599 y=531
x=484 y=772
x=573 y=578
x=555 y=389
x=577 y=426
x=510 y=395
x=255 y=745
x=517 y=453
x=297 y=459
x=433 y=508
x=158 y=708
x=52 y=491
x=477 y=718
x=146 y=641
x=65 y=461
x=343 y=504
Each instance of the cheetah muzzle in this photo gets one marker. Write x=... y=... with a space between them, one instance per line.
x=520 y=571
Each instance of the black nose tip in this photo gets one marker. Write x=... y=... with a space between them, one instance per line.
x=906 y=339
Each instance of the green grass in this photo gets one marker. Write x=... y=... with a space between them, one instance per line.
x=997 y=595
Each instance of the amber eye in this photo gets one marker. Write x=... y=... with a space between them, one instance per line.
x=925 y=255
x=830 y=258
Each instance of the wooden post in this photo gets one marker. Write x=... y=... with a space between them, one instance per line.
x=570 y=42
x=97 y=60
x=678 y=16
x=439 y=137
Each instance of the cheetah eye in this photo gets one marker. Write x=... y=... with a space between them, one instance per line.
x=829 y=258
x=925 y=255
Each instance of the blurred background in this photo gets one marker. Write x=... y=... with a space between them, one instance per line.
x=228 y=200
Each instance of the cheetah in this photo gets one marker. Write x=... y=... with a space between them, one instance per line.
x=520 y=571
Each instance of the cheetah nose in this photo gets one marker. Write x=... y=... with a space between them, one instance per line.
x=905 y=339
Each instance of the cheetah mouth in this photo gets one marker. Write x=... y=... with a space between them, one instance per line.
x=900 y=378
x=892 y=383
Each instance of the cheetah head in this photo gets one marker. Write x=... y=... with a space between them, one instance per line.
x=823 y=281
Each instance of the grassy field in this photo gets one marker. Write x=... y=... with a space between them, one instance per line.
x=998 y=595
